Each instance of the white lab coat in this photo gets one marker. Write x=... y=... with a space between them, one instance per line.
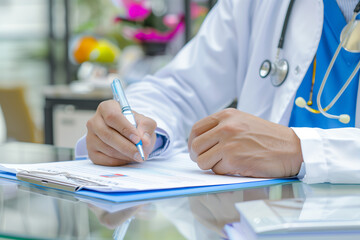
x=222 y=63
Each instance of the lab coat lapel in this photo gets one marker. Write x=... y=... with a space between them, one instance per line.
x=302 y=40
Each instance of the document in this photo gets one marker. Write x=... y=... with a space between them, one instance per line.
x=156 y=174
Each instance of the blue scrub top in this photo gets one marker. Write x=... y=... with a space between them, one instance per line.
x=344 y=65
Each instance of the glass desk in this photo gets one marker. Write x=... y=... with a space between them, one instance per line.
x=28 y=212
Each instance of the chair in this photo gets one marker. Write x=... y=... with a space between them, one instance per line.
x=18 y=119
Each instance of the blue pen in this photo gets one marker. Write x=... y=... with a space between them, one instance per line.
x=119 y=96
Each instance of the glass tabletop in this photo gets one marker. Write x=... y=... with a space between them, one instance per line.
x=28 y=212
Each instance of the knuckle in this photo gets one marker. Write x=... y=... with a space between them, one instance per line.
x=110 y=116
x=202 y=164
x=107 y=136
x=233 y=129
x=228 y=112
x=226 y=128
x=219 y=170
x=103 y=106
x=194 y=145
x=196 y=129
x=90 y=124
x=125 y=131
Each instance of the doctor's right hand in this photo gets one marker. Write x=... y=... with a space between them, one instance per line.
x=111 y=138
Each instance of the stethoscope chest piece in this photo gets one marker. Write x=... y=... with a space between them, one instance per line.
x=277 y=71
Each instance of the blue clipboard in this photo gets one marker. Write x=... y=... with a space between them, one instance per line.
x=121 y=197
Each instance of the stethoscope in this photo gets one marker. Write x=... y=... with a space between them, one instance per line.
x=278 y=70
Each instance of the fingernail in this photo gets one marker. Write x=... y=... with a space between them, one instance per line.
x=134 y=138
x=137 y=157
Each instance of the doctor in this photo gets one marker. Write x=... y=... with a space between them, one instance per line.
x=268 y=135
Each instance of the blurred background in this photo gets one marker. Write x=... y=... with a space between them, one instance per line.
x=58 y=57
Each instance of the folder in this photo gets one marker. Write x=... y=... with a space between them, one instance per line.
x=153 y=179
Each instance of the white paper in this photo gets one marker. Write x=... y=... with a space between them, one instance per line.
x=177 y=172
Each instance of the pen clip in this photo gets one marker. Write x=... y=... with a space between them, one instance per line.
x=115 y=92
x=119 y=94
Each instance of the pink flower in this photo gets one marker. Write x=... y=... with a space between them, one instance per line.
x=145 y=28
x=137 y=10
x=153 y=35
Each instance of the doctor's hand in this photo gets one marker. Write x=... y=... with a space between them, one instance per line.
x=234 y=142
x=111 y=138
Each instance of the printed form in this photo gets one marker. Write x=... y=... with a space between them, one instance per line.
x=176 y=172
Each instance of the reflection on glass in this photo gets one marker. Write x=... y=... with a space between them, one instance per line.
x=322 y=210
x=196 y=217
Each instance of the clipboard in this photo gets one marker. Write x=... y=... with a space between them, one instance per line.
x=58 y=180
x=45 y=181
x=123 y=197
x=173 y=180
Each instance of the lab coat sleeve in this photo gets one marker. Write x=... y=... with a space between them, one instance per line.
x=330 y=155
x=199 y=81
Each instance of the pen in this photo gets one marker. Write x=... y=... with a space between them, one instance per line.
x=119 y=96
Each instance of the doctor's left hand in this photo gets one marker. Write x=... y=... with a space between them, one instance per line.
x=234 y=142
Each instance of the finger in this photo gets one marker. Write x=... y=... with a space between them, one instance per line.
x=202 y=126
x=111 y=113
x=146 y=127
x=210 y=158
x=102 y=159
x=203 y=143
x=112 y=138
x=222 y=168
x=94 y=144
x=148 y=148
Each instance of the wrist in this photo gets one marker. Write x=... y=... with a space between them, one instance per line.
x=297 y=158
